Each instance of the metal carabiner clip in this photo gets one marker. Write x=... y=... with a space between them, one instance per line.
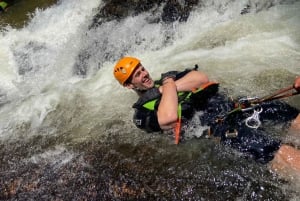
x=253 y=121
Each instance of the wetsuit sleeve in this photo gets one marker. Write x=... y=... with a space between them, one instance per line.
x=146 y=120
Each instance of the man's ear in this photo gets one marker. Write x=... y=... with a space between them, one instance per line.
x=129 y=86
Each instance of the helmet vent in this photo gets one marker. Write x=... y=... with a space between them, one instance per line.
x=123 y=70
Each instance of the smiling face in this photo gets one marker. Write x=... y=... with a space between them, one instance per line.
x=140 y=79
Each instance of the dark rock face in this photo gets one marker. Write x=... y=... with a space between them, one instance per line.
x=172 y=10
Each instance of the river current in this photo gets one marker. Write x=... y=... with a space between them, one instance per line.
x=66 y=130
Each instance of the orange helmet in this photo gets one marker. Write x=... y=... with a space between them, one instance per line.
x=124 y=68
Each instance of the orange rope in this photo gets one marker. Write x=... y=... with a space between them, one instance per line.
x=177 y=131
x=178 y=125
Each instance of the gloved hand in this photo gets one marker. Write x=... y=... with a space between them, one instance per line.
x=170 y=74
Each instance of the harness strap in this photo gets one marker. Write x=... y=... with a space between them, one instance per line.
x=204 y=86
x=178 y=125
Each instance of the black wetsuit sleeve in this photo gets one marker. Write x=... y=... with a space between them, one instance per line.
x=146 y=120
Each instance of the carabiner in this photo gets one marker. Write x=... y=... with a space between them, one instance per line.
x=253 y=121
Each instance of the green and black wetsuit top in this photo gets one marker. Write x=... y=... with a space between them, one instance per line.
x=258 y=144
x=145 y=116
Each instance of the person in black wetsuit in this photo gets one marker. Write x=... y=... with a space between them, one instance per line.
x=177 y=95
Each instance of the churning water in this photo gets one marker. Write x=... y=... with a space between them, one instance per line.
x=65 y=124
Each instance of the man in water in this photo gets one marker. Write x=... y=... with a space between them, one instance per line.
x=173 y=100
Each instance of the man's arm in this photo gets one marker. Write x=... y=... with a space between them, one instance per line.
x=167 y=113
x=167 y=109
x=191 y=81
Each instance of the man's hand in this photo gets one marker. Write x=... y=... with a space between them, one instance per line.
x=297 y=84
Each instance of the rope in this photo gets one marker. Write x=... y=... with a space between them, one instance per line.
x=178 y=125
x=253 y=103
x=282 y=93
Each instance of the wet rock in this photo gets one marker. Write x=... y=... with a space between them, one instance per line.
x=171 y=10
